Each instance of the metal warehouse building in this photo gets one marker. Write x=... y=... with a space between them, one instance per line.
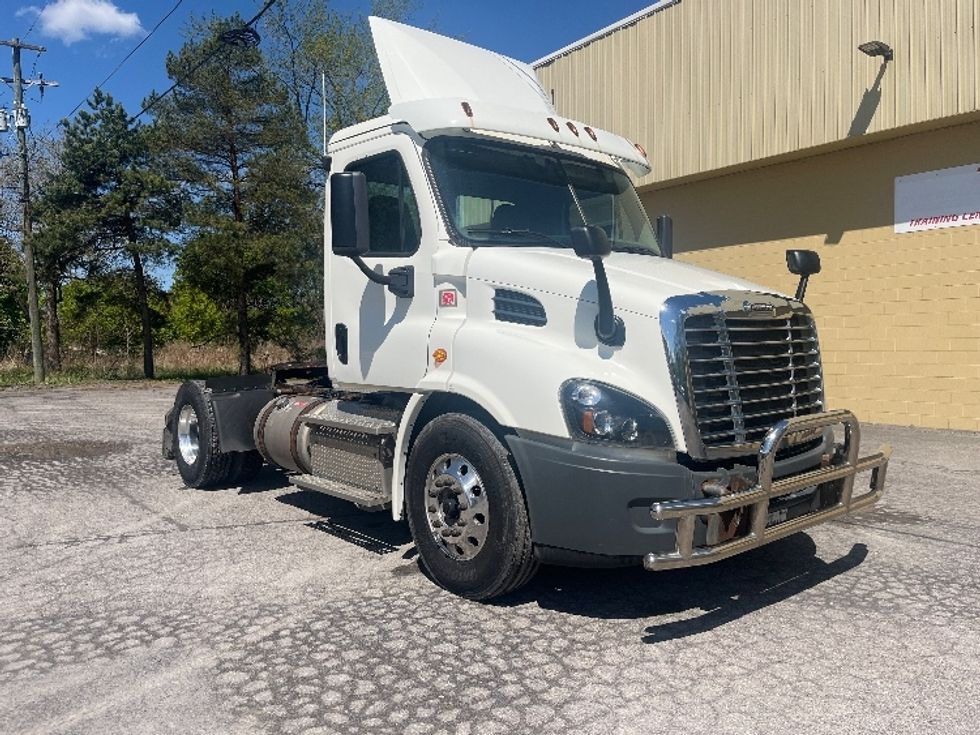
x=769 y=129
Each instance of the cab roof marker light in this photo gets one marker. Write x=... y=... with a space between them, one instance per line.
x=554 y=124
x=571 y=126
x=467 y=109
x=591 y=133
x=641 y=149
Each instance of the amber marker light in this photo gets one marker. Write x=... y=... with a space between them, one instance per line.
x=571 y=126
x=467 y=109
x=440 y=356
x=554 y=124
x=592 y=134
x=641 y=149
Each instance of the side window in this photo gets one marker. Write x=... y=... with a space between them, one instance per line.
x=392 y=210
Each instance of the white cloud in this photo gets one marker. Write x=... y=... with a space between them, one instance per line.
x=76 y=20
x=28 y=10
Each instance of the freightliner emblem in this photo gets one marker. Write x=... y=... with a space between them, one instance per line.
x=758 y=306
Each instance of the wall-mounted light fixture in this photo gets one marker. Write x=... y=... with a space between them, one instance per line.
x=877 y=48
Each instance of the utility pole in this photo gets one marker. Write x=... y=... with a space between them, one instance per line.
x=21 y=123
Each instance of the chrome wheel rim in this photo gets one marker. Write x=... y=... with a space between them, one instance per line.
x=456 y=507
x=188 y=438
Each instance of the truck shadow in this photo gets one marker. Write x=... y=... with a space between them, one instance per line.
x=269 y=478
x=723 y=592
x=374 y=532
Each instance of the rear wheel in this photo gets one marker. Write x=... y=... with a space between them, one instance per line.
x=466 y=510
x=195 y=438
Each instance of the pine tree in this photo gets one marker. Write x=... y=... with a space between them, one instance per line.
x=109 y=208
x=241 y=152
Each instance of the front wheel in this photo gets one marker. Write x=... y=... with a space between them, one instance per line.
x=466 y=510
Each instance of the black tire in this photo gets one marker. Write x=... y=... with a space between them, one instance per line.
x=505 y=561
x=244 y=467
x=210 y=467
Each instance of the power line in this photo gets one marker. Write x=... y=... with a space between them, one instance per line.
x=36 y=19
x=129 y=55
x=217 y=49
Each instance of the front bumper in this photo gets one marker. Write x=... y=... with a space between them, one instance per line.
x=845 y=465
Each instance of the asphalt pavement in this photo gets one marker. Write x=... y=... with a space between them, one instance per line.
x=131 y=604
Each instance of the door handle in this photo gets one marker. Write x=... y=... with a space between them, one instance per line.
x=340 y=342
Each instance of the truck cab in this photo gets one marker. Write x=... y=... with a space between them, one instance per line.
x=515 y=363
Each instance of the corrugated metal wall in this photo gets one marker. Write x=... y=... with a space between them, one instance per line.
x=708 y=84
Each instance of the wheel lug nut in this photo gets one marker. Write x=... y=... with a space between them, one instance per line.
x=455 y=531
x=432 y=509
x=461 y=523
x=437 y=524
x=447 y=532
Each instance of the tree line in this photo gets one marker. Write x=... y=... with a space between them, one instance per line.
x=220 y=185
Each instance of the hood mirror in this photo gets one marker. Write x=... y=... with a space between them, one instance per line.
x=592 y=243
x=802 y=263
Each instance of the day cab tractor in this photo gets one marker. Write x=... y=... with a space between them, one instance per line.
x=516 y=365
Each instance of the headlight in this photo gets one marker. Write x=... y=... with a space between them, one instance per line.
x=601 y=413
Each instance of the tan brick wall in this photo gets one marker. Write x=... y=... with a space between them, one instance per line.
x=899 y=315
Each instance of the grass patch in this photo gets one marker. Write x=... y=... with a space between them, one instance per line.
x=172 y=362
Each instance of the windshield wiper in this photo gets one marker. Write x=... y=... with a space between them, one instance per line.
x=510 y=231
x=638 y=249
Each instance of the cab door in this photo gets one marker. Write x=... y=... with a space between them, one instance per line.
x=380 y=340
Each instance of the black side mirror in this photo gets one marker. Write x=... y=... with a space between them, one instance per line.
x=665 y=235
x=802 y=263
x=590 y=242
x=350 y=231
x=349 y=224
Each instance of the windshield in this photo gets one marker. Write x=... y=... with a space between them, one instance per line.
x=498 y=193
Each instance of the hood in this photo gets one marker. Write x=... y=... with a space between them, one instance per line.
x=639 y=283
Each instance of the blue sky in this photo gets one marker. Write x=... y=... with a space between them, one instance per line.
x=87 y=38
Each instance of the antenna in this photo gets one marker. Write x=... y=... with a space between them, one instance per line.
x=323 y=107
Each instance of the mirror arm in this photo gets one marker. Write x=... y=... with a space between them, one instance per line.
x=372 y=276
x=400 y=281
x=801 y=287
x=609 y=329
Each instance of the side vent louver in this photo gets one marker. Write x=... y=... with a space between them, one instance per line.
x=519 y=308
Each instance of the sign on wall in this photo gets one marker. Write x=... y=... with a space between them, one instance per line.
x=935 y=200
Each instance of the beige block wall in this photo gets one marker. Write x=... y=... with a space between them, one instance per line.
x=899 y=315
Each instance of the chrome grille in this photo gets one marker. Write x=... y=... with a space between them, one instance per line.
x=747 y=371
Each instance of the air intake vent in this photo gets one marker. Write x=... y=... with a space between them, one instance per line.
x=519 y=308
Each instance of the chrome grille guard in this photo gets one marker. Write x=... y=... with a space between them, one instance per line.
x=846 y=464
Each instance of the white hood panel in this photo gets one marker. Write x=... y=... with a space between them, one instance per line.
x=639 y=283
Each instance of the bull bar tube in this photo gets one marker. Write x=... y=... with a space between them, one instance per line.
x=845 y=465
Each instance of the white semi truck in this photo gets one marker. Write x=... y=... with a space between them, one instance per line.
x=515 y=363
